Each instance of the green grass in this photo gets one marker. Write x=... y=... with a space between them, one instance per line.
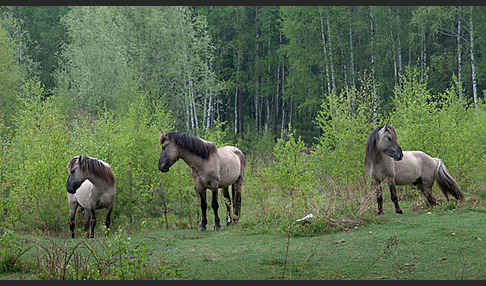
x=442 y=244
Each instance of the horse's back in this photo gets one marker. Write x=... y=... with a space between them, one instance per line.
x=230 y=165
x=86 y=196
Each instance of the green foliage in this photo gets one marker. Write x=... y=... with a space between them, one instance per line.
x=10 y=79
x=37 y=157
x=288 y=185
x=217 y=134
x=345 y=121
x=115 y=258
x=11 y=249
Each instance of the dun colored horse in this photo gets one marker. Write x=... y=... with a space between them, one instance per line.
x=385 y=162
x=90 y=185
x=211 y=167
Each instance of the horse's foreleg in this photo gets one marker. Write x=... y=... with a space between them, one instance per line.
x=204 y=220
x=92 y=223
x=72 y=217
x=227 y=202
x=379 y=198
x=215 y=206
x=394 y=198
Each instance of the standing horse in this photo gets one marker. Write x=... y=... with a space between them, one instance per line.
x=211 y=167
x=385 y=162
x=91 y=185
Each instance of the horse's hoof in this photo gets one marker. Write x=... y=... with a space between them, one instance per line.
x=399 y=211
x=202 y=228
x=379 y=213
x=217 y=227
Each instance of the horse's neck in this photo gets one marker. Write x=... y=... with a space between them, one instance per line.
x=191 y=159
x=382 y=159
x=99 y=183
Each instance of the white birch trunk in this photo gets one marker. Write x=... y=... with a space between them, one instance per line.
x=282 y=128
x=209 y=114
x=330 y=52
x=351 y=54
x=399 y=47
x=372 y=31
x=394 y=55
x=473 y=69
x=268 y=114
x=459 y=57
x=236 y=93
x=256 y=74
x=324 y=50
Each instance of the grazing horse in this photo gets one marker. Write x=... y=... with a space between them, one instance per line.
x=211 y=167
x=385 y=162
x=90 y=185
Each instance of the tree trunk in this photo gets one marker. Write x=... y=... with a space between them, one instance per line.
x=459 y=57
x=324 y=50
x=256 y=74
x=330 y=52
x=236 y=92
x=399 y=47
x=372 y=33
x=210 y=110
x=282 y=129
x=351 y=54
x=345 y=76
x=268 y=114
x=473 y=69
x=395 y=76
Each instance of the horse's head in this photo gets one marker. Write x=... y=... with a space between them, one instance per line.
x=76 y=175
x=169 y=154
x=387 y=142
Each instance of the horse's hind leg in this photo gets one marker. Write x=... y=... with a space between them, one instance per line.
x=87 y=217
x=227 y=202
x=215 y=206
x=89 y=222
x=108 y=221
x=236 y=194
x=394 y=198
x=427 y=192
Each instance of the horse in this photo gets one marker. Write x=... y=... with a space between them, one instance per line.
x=386 y=162
x=211 y=168
x=90 y=185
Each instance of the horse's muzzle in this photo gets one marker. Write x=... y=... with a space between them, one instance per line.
x=72 y=187
x=398 y=155
x=164 y=169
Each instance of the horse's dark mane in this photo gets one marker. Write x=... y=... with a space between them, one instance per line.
x=192 y=144
x=371 y=144
x=95 y=166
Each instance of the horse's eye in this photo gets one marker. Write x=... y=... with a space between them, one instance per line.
x=72 y=171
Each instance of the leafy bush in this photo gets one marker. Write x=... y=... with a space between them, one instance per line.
x=116 y=258
x=11 y=249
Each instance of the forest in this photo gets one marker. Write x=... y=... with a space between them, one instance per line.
x=106 y=81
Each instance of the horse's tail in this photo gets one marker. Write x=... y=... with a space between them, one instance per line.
x=243 y=163
x=446 y=183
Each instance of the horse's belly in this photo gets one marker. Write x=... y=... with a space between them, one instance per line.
x=407 y=170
